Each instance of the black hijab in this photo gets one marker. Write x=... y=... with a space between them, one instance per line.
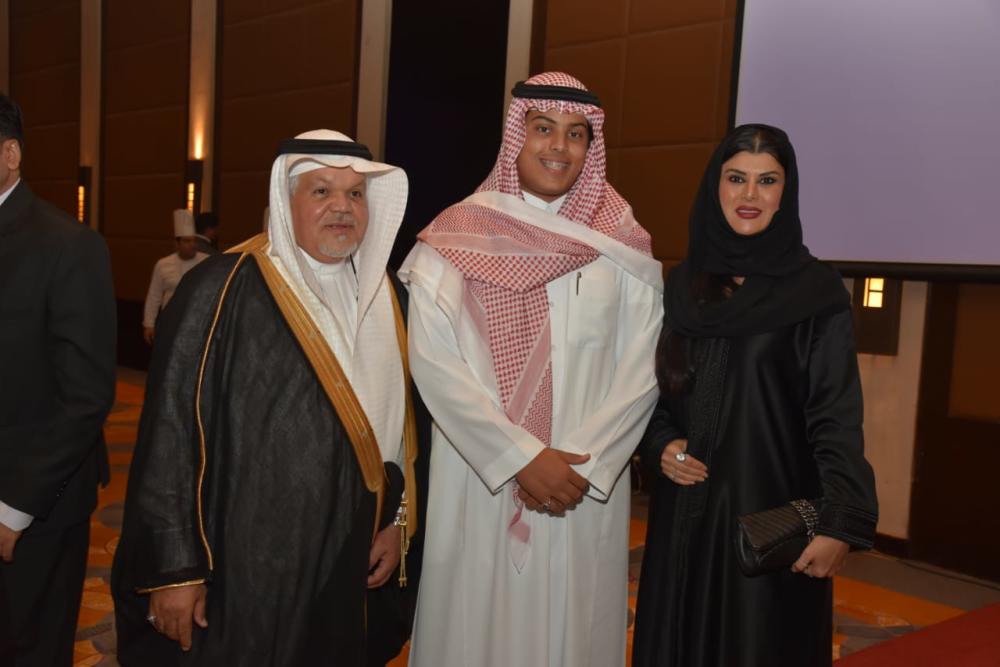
x=784 y=283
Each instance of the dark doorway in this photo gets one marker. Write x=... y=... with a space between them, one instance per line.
x=444 y=116
x=955 y=509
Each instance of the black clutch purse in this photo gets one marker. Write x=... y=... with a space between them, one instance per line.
x=774 y=539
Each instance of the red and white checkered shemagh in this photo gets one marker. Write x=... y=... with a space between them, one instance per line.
x=507 y=263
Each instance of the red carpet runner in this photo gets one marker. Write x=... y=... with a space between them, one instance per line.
x=971 y=640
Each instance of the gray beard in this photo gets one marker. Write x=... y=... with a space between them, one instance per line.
x=337 y=253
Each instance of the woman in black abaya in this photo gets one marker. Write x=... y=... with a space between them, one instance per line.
x=761 y=404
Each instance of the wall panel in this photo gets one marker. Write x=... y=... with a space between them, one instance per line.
x=45 y=82
x=601 y=66
x=891 y=386
x=147 y=23
x=140 y=80
x=285 y=66
x=663 y=71
x=976 y=357
x=645 y=15
x=583 y=21
x=144 y=135
x=659 y=182
x=671 y=86
x=49 y=161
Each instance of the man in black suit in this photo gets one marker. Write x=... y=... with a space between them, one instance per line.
x=57 y=384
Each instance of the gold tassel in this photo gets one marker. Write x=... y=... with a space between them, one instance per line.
x=404 y=541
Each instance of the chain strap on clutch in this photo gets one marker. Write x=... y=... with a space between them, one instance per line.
x=808 y=514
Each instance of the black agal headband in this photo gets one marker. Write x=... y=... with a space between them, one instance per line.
x=324 y=147
x=566 y=93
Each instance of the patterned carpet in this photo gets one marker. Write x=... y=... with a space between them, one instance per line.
x=95 y=637
x=865 y=613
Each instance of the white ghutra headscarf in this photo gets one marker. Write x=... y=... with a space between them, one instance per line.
x=363 y=341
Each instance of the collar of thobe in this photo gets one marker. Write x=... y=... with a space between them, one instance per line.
x=549 y=206
x=332 y=270
x=339 y=284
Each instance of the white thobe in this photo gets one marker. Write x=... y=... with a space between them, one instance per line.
x=339 y=283
x=568 y=606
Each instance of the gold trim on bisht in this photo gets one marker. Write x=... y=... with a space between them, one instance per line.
x=197 y=410
x=331 y=375
x=407 y=520
x=340 y=392
x=143 y=591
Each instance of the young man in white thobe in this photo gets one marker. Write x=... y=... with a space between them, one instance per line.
x=535 y=310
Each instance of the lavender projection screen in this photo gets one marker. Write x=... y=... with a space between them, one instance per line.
x=894 y=110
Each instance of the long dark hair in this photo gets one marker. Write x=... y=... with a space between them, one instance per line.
x=674 y=371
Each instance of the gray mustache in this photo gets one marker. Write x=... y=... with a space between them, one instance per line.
x=338 y=218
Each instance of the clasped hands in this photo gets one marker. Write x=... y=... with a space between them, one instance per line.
x=549 y=484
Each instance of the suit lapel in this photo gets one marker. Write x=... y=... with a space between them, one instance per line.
x=13 y=209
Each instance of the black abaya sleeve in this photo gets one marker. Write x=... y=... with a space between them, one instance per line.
x=659 y=432
x=834 y=411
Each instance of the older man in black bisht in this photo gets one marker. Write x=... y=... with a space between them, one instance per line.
x=277 y=433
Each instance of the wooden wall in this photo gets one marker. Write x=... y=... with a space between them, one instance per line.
x=45 y=82
x=662 y=70
x=976 y=355
x=285 y=66
x=146 y=47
